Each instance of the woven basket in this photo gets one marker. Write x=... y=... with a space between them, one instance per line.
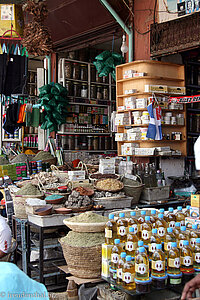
x=62 y=175
x=83 y=262
x=85 y=227
x=133 y=188
x=19 y=203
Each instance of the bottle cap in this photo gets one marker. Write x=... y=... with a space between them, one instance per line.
x=170 y=230
x=183 y=228
x=123 y=254
x=153 y=211
x=154 y=230
x=174 y=244
x=177 y=224
x=117 y=241
x=111 y=216
x=185 y=243
x=179 y=208
x=121 y=215
x=162 y=210
x=160 y=216
x=143 y=212
x=188 y=206
x=141 y=249
x=131 y=229
x=133 y=213
x=170 y=209
x=128 y=258
x=198 y=240
x=158 y=246
x=194 y=226
x=147 y=218
x=140 y=243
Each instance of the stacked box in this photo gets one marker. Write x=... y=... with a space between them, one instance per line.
x=8 y=170
x=195 y=207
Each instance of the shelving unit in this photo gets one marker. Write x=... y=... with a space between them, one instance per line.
x=156 y=73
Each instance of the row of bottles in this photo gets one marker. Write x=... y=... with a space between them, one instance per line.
x=151 y=177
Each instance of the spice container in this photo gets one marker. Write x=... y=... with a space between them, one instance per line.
x=101 y=143
x=90 y=143
x=99 y=92
x=69 y=87
x=83 y=72
x=107 y=142
x=83 y=143
x=96 y=143
x=84 y=91
x=63 y=139
x=98 y=79
x=76 y=143
x=77 y=89
x=76 y=71
x=105 y=93
x=113 y=93
x=93 y=91
x=68 y=69
x=71 y=142
x=93 y=73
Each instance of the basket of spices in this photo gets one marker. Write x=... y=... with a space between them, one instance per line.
x=109 y=185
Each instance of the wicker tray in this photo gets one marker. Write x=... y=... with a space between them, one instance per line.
x=85 y=227
x=106 y=190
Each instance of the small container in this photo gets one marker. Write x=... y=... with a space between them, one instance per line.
x=107 y=143
x=77 y=89
x=64 y=143
x=76 y=142
x=98 y=79
x=76 y=71
x=90 y=143
x=71 y=142
x=69 y=87
x=93 y=73
x=101 y=143
x=105 y=93
x=83 y=72
x=93 y=91
x=84 y=91
x=159 y=282
x=175 y=280
x=99 y=92
x=83 y=143
x=68 y=69
x=143 y=287
x=96 y=143
x=113 y=93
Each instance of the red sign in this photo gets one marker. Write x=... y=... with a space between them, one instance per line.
x=185 y=99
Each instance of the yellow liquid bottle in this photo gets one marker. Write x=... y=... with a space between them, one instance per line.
x=153 y=218
x=177 y=229
x=129 y=274
x=173 y=260
x=162 y=211
x=161 y=226
x=187 y=213
x=171 y=218
x=146 y=229
x=120 y=266
x=110 y=230
x=169 y=238
x=142 y=265
x=196 y=255
x=115 y=255
x=193 y=236
x=158 y=262
x=122 y=226
x=180 y=216
x=182 y=237
x=140 y=244
x=141 y=220
x=186 y=258
x=133 y=222
x=131 y=243
x=153 y=241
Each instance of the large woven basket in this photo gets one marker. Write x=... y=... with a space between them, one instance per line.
x=82 y=262
x=133 y=188
x=19 y=203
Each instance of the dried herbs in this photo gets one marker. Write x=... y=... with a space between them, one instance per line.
x=88 y=217
x=83 y=239
x=28 y=189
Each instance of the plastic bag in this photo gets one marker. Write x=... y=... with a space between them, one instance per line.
x=62 y=90
x=99 y=65
x=45 y=89
x=110 y=62
x=54 y=90
x=103 y=56
x=106 y=70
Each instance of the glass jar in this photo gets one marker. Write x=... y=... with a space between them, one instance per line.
x=69 y=87
x=84 y=72
x=76 y=142
x=113 y=93
x=107 y=143
x=77 y=89
x=71 y=142
x=98 y=79
x=90 y=143
x=101 y=143
x=93 y=73
x=63 y=139
x=105 y=93
x=76 y=71
x=68 y=69
x=96 y=143
x=93 y=91
x=84 y=91
x=105 y=79
x=83 y=143
x=99 y=92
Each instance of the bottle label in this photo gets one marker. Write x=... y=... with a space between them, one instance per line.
x=171 y=224
x=182 y=223
x=108 y=233
x=119 y=273
x=121 y=230
x=175 y=280
x=128 y=277
x=186 y=261
x=180 y=244
x=114 y=275
x=135 y=226
x=197 y=257
x=152 y=247
x=146 y=234
x=167 y=246
x=140 y=268
x=115 y=258
x=192 y=242
x=158 y=265
x=161 y=231
x=130 y=246
x=174 y=262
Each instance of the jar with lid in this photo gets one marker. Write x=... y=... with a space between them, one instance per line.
x=93 y=73
x=68 y=69
x=76 y=71
x=69 y=87
x=101 y=143
x=84 y=91
x=96 y=143
x=90 y=143
x=107 y=142
x=99 y=92
x=105 y=79
x=113 y=93
x=84 y=72
x=77 y=89
x=105 y=93
x=98 y=79
x=71 y=142
x=93 y=91
x=63 y=139
x=76 y=142
x=83 y=143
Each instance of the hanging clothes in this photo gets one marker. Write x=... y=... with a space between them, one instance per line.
x=10 y=124
x=3 y=66
x=154 y=130
x=21 y=114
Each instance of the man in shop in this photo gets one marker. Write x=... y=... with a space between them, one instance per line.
x=5 y=238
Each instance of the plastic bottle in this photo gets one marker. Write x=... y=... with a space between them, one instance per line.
x=161 y=225
x=141 y=220
x=147 y=177
x=177 y=229
x=120 y=266
x=110 y=230
x=146 y=229
x=158 y=262
x=171 y=218
x=180 y=217
x=182 y=237
x=140 y=244
x=193 y=236
x=162 y=211
x=155 y=239
x=142 y=265
x=173 y=260
x=186 y=258
x=122 y=226
x=153 y=217
x=159 y=178
x=129 y=274
x=115 y=255
x=169 y=238
x=131 y=243
x=187 y=213
x=133 y=222
x=196 y=255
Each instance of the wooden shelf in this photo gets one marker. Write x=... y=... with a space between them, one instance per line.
x=150 y=93
x=146 y=125
x=152 y=155
x=144 y=109
x=154 y=141
x=151 y=77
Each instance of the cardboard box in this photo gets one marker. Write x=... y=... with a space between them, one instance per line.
x=139 y=74
x=11 y=12
x=76 y=175
x=121 y=108
x=120 y=137
x=194 y=212
x=195 y=200
x=150 y=88
x=176 y=90
x=144 y=151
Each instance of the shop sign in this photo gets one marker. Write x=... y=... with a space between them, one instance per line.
x=185 y=99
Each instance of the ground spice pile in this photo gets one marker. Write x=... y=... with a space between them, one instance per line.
x=3 y=161
x=88 y=217
x=28 y=189
x=43 y=155
x=83 y=239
